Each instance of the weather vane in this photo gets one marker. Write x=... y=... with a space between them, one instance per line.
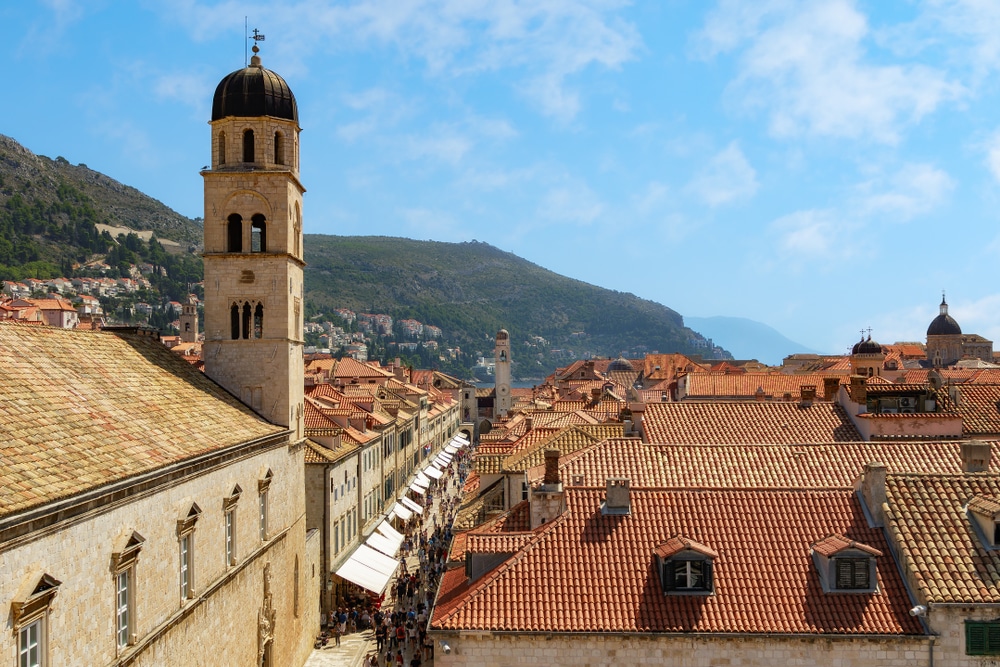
x=257 y=36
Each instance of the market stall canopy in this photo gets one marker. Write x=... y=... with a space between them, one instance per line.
x=412 y=505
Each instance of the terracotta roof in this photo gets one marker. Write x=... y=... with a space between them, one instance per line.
x=566 y=441
x=832 y=545
x=828 y=466
x=745 y=385
x=979 y=406
x=677 y=544
x=317 y=453
x=585 y=572
x=742 y=422
x=82 y=409
x=985 y=505
x=946 y=557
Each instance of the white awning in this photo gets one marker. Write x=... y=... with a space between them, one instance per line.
x=444 y=459
x=417 y=489
x=402 y=512
x=450 y=449
x=376 y=560
x=381 y=543
x=411 y=505
x=423 y=479
x=433 y=472
x=364 y=575
x=390 y=532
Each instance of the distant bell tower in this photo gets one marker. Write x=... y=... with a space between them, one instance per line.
x=501 y=374
x=189 y=319
x=253 y=245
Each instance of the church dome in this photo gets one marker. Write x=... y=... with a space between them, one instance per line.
x=866 y=347
x=253 y=92
x=944 y=324
x=620 y=364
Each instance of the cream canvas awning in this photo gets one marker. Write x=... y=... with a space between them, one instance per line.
x=433 y=472
x=381 y=543
x=402 y=512
x=390 y=532
x=411 y=505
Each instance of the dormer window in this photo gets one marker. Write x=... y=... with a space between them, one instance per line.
x=845 y=566
x=686 y=566
x=985 y=514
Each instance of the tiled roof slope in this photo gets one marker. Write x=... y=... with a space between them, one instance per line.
x=745 y=422
x=946 y=558
x=816 y=466
x=586 y=572
x=81 y=409
x=566 y=441
x=707 y=385
x=979 y=405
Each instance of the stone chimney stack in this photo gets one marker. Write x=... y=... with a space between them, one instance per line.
x=976 y=456
x=873 y=491
x=808 y=394
x=830 y=388
x=759 y=395
x=551 y=467
x=617 y=500
x=859 y=392
x=528 y=423
x=548 y=500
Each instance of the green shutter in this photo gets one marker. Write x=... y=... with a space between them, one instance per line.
x=975 y=638
x=708 y=575
x=668 y=576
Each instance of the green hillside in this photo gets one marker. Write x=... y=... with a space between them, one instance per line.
x=471 y=290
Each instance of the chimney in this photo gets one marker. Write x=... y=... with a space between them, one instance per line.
x=859 y=392
x=808 y=394
x=759 y=395
x=551 y=467
x=617 y=500
x=976 y=456
x=873 y=491
x=528 y=422
x=830 y=388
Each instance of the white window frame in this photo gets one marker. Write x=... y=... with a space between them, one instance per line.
x=262 y=508
x=187 y=566
x=230 y=529
x=31 y=649
x=124 y=606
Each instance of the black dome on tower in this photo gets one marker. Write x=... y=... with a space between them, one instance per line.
x=866 y=347
x=944 y=324
x=252 y=92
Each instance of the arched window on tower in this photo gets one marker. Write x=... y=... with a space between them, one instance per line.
x=298 y=232
x=234 y=233
x=246 y=320
x=248 y=151
x=234 y=321
x=222 y=148
x=258 y=321
x=279 y=148
x=258 y=234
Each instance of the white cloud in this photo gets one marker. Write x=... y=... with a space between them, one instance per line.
x=442 y=144
x=727 y=177
x=814 y=233
x=572 y=203
x=430 y=224
x=545 y=41
x=188 y=89
x=914 y=190
x=807 y=65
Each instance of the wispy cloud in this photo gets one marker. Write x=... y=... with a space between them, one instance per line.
x=727 y=177
x=807 y=65
x=811 y=234
x=913 y=190
x=545 y=42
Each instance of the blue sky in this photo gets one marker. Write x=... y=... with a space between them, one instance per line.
x=821 y=167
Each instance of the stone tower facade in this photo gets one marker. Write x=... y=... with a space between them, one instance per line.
x=501 y=374
x=189 y=319
x=253 y=246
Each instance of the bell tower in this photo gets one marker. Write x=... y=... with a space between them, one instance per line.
x=253 y=245
x=501 y=374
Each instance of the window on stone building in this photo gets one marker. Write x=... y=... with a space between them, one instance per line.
x=258 y=233
x=258 y=321
x=248 y=147
x=279 y=148
x=231 y=537
x=982 y=638
x=263 y=486
x=125 y=558
x=246 y=320
x=234 y=233
x=29 y=615
x=234 y=321
x=186 y=523
x=222 y=148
